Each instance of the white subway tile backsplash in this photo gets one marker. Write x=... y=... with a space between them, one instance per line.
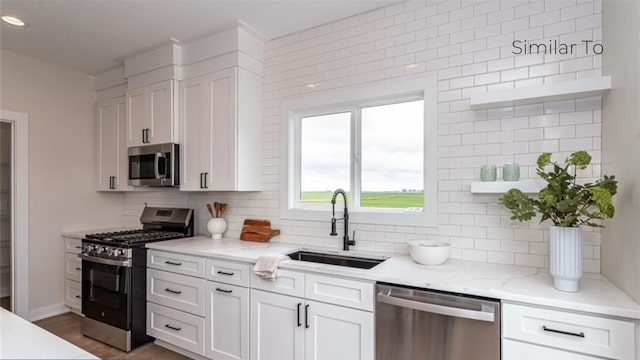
x=468 y=46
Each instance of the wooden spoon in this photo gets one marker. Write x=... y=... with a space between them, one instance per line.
x=223 y=208
x=210 y=209
x=216 y=206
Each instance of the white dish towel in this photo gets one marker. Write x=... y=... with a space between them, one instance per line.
x=267 y=266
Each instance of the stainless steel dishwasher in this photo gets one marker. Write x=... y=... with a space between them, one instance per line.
x=417 y=324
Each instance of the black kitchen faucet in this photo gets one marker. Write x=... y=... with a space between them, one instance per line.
x=345 y=217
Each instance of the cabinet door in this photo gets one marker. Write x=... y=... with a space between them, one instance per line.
x=277 y=326
x=160 y=117
x=221 y=111
x=136 y=115
x=516 y=350
x=122 y=167
x=338 y=333
x=195 y=134
x=107 y=113
x=227 y=321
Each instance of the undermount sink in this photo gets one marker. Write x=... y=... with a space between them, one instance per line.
x=359 y=262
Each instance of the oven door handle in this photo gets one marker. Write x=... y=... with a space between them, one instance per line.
x=99 y=260
x=436 y=309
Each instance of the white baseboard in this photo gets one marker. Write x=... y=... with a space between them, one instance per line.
x=47 y=311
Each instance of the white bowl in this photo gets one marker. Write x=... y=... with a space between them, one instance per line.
x=429 y=252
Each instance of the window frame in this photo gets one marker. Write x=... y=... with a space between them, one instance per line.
x=353 y=100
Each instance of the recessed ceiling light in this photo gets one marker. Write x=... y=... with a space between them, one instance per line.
x=312 y=85
x=12 y=20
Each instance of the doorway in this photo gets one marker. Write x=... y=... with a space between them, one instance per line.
x=6 y=146
x=14 y=222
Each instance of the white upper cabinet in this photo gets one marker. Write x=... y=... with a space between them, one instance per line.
x=220 y=131
x=111 y=149
x=150 y=114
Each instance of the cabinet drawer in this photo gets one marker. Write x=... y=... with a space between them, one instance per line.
x=287 y=282
x=73 y=294
x=176 y=328
x=588 y=334
x=351 y=293
x=228 y=272
x=516 y=350
x=180 y=292
x=72 y=267
x=177 y=263
x=73 y=246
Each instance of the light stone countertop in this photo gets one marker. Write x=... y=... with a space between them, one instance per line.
x=23 y=340
x=510 y=283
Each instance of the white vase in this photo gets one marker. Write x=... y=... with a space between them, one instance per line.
x=566 y=257
x=216 y=226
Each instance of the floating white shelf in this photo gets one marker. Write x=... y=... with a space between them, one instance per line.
x=540 y=93
x=527 y=186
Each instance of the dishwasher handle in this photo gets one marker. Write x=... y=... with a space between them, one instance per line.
x=436 y=309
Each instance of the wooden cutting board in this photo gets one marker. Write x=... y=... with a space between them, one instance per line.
x=257 y=230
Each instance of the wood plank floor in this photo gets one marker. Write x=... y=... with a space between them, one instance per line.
x=5 y=302
x=67 y=326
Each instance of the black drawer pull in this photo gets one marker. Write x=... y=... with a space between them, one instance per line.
x=299 y=323
x=173 y=291
x=580 y=334
x=306 y=316
x=173 y=263
x=225 y=273
x=224 y=291
x=79 y=269
x=79 y=297
x=78 y=247
x=173 y=327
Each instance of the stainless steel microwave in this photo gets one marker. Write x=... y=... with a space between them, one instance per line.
x=154 y=165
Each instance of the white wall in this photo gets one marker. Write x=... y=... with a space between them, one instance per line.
x=60 y=105
x=467 y=44
x=621 y=143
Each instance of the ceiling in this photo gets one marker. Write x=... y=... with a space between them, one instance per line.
x=95 y=35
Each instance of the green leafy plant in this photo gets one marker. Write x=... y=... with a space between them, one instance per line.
x=564 y=201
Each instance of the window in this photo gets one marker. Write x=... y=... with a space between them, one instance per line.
x=375 y=144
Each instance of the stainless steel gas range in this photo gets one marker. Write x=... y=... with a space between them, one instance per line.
x=114 y=276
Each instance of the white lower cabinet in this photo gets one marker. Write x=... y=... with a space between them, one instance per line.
x=336 y=332
x=227 y=321
x=176 y=302
x=286 y=328
x=530 y=332
x=72 y=274
x=516 y=350
x=277 y=326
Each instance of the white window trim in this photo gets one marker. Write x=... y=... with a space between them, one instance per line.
x=341 y=100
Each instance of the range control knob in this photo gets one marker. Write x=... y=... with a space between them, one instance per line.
x=102 y=250
x=120 y=252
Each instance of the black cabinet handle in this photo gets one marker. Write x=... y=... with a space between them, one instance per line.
x=225 y=273
x=580 y=334
x=78 y=247
x=201 y=180
x=306 y=316
x=299 y=323
x=173 y=327
x=79 y=297
x=173 y=263
x=205 y=180
x=79 y=269
x=224 y=291
x=173 y=291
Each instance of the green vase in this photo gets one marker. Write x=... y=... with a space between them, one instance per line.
x=488 y=173
x=511 y=172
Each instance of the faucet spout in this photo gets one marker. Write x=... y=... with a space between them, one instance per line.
x=346 y=242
